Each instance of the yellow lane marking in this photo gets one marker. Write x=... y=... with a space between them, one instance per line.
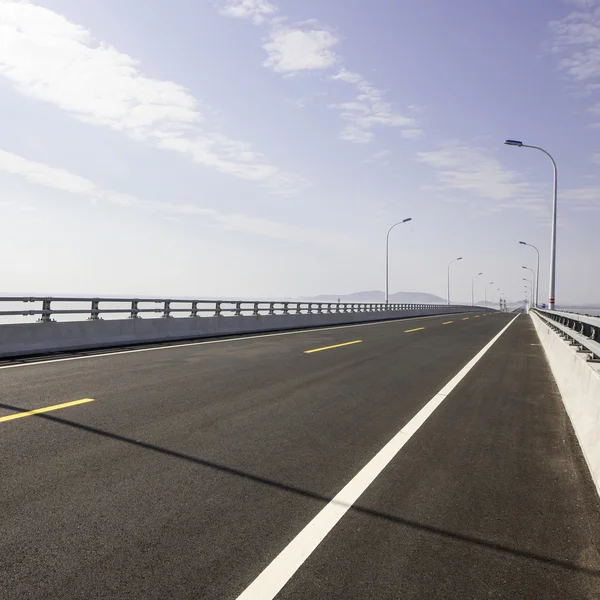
x=411 y=330
x=466 y=319
x=331 y=347
x=447 y=322
x=38 y=411
x=476 y=317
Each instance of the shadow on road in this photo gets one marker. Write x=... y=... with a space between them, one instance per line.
x=458 y=537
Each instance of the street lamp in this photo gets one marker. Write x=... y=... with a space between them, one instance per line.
x=387 y=258
x=530 y=290
x=554 y=207
x=494 y=295
x=485 y=301
x=533 y=291
x=452 y=261
x=537 y=273
x=473 y=288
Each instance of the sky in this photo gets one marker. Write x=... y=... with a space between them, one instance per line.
x=263 y=148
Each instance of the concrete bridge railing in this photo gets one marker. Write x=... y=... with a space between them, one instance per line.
x=113 y=322
x=571 y=343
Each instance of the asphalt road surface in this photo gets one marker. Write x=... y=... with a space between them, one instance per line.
x=415 y=459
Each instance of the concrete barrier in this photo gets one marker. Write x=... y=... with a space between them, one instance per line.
x=29 y=339
x=579 y=383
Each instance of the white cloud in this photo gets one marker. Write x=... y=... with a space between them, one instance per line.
x=258 y=11
x=596 y=158
x=369 y=110
x=382 y=157
x=582 y=199
x=577 y=42
x=65 y=181
x=292 y=49
x=53 y=60
x=348 y=76
x=412 y=134
x=595 y=110
x=471 y=169
x=310 y=47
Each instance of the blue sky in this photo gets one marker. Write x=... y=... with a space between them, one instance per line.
x=263 y=148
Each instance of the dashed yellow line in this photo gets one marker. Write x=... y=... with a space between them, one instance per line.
x=411 y=330
x=466 y=319
x=447 y=322
x=331 y=347
x=37 y=411
x=476 y=317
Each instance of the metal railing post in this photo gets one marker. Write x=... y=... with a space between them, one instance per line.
x=256 y=310
x=134 y=310
x=218 y=311
x=95 y=310
x=167 y=309
x=238 y=309
x=194 y=312
x=47 y=311
x=271 y=308
x=286 y=308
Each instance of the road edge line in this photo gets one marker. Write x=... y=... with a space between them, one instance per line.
x=283 y=567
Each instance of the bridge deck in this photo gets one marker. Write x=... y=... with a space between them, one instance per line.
x=196 y=466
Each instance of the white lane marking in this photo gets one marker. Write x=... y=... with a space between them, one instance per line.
x=271 y=581
x=219 y=341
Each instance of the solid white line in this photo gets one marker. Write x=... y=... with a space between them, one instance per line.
x=219 y=341
x=270 y=582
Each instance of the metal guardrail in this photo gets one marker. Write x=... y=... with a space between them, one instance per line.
x=582 y=331
x=95 y=307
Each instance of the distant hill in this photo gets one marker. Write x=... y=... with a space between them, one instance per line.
x=378 y=296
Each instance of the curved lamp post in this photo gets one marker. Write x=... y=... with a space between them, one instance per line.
x=451 y=262
x=554 y=207
x=387 y=258
x=537 y=273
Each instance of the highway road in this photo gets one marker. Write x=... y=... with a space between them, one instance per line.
x=423 y=459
